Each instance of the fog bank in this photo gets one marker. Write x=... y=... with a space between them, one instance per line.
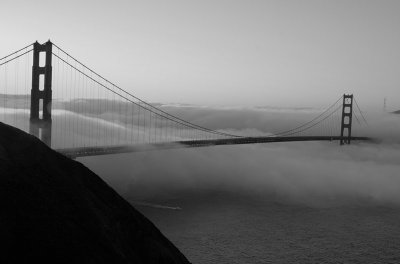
x=309 y=172
x=312 y=173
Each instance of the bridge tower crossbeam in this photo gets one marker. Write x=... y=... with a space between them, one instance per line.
x=347 y=116
x=40 y=126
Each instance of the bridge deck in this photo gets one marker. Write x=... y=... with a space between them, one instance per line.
x=107 y=150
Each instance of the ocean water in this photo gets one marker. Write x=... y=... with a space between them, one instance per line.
x=228 y=228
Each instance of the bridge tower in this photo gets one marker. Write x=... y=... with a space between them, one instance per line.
x=347 y=115
x=41 y=94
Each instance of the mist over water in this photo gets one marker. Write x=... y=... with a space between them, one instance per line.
x=296 y=202
x=281 y=202
x=316 y=174
x=310 y=172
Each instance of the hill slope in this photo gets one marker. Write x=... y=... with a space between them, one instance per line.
x=55 y=210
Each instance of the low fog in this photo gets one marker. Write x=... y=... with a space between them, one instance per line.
x=311 y=173
x=314 y=173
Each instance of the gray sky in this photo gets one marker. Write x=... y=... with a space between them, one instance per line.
x=279 y=53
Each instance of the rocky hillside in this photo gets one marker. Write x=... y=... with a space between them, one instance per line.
x=55 y=210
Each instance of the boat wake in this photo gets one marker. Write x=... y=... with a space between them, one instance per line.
x=158 y=206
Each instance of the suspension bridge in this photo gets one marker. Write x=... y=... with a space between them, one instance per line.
x=50 y=94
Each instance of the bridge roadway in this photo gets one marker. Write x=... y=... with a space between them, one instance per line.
x=108 y=150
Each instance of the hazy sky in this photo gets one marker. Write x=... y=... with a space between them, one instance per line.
x=233 y=52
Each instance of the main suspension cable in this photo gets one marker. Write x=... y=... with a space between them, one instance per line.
x=186 y=124
x=362 y=115
x=309 y=122
x=311 y=126
x=145 y=103
x=15 y=52
x=15 y=57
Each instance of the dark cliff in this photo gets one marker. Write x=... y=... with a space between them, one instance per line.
x=55 y=210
